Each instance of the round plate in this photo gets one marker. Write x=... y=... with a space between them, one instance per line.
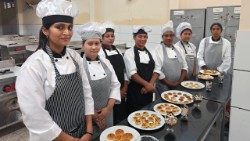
x=131 y=122
x=112 y=129
x=178 y=96
x=202 y=76
x=214 y=74
x=165 y=113
x=185 y=84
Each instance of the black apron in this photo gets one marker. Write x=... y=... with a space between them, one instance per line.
x=66 y=105
x=120 y=110
x=136 y=100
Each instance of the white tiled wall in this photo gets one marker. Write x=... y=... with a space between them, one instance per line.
x=123 y=34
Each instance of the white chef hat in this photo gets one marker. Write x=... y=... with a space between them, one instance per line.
x=181 y=27
x=91 y=30
x=167 y=27
x=141 y=29
x=52 y=11
x=109 y=25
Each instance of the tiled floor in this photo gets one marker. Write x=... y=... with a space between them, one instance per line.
x=19 y=135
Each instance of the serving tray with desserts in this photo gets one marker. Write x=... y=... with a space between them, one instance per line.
x=167 y=108
x=177 y=97
x=146 y=120
x=210 y=72
x=194 y=85
x=119 y=133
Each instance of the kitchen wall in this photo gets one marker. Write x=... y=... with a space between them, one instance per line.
x=124 y=13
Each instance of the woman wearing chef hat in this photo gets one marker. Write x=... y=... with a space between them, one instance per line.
x=53 y=92
x=140 y=67
x=184 y=33
x=102 y=78
x=115 y=57
x=171 y=59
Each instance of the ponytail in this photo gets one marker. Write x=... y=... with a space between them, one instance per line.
x=43 y=40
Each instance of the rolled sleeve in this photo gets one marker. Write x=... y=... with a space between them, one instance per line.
x=226 y=58
x=130 y=63
x=200 y=54
x=158 y=57
x=115 y=84
x=47 y=135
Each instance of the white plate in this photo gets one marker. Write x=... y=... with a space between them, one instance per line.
x=209 y=77
x=184 y=84
x=131 y=122
x=178 y=96
x=176 y=113
x=112 y=129
x=214 y=74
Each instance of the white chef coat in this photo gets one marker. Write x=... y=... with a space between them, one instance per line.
x=36 y=83
x=97 y=72
x=190 y=48
x=226 y=54
x=158 y=53
x=110 y=53
x=129 y=60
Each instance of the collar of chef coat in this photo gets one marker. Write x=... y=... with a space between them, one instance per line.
x=57 y=55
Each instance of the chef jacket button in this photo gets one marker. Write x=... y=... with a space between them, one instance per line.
x=174 y=56
x=98 y=62
x=67 y=57
x=104 y=74
x=94 y=75
x=89 y=63
x=56 y=60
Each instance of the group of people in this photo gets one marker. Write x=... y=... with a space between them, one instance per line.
x=66 y=96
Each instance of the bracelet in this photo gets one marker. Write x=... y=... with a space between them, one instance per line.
x=89 y=133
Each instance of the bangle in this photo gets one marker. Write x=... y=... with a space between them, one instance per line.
x=89 y=133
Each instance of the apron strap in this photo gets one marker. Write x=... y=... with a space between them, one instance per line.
x=137 y=57
x=183 y=47
x=54 y=64
x=179 y=57
x=48 y=50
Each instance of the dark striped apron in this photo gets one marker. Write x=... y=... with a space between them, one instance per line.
x=66 y=104
x=100 y=92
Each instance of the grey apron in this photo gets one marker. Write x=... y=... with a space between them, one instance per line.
x=171 y=68
x=213 y=54
x=66 y=105
x=100 y=93
x=190 y=60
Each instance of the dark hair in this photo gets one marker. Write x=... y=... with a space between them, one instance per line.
x=186 y=30
x=214 y=24
x=43 y=40
x=83 y=42
x=140 y=31
x=108 y=30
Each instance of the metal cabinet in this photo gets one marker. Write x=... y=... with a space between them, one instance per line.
x=196 y=17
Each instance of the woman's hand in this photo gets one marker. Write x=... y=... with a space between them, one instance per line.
x=149 y=88
x=86 y=137
x=123 y=92
x=101 y=116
